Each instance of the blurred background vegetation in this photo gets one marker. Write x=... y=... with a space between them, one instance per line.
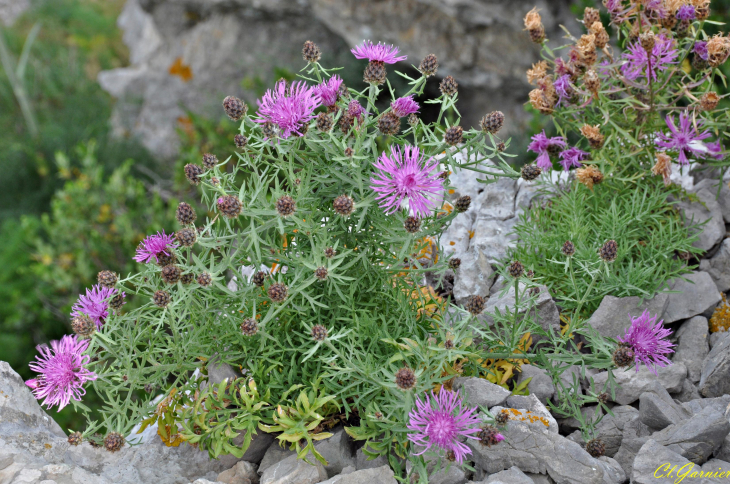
x=73 y=199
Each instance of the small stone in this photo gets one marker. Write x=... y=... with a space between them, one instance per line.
x=718 y=266
x=540 y=385
x=294 y=471
x=714 y=380
x=478 y=391
x=513 y=475
x=698 y=296
x=693 y=346
x=631 y=384
x=611 y=319
x=696 y=213
x=378 y=475
x=658 y=410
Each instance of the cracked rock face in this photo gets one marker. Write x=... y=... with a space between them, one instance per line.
x=192 y=53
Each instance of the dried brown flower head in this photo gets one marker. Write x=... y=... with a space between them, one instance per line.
x=533 y=24
x=589 y=175
x=663 y=167
x=593 y=135
x=537 y=72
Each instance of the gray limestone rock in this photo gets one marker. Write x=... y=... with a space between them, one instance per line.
x=275 y=453
x=723 y=198
x=611 y=319
x=540 y=385
x=688 y=392
x=478 y=391
x=649 y=458
x=626 y=454
x=709 y=210
x=513 y=475
x=377 y=475
x=631 y=384
x=693 y=346
x=362 y=462
x=657 y=409
x=474 y=277
x=714 y=380
x=697 y=437
x=531 y=404
x=539 y=451
x=338 y=451
x=718 y=266
x=698 y=296
x=242 y=473
x=294 y=471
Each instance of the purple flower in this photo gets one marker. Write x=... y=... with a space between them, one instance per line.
x=327 y=92
x=542 y=145
x=663 y=55
x=377 y=53
x=355 y=109
x=61 y=372
x=572 y=157
x=289 y=107
x=440 y=422
x=685 y=12
x=700 y=49
x=648 y=340
x=564 y=88
x=154 y=245
x=404 y=106
x=715 y=150
x=95 y=304
x=683 y=139
x=405 y=177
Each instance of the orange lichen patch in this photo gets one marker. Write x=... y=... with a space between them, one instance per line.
x=500 y=371
x=452 y=243
x=528 y=416
x=429 y=249
x=180 y=69
x=452 y=191
x=720 y=320
x=447 y=208
x=471 y=234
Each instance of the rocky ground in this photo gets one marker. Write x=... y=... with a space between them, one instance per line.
x=190 y=54
x=680 y=416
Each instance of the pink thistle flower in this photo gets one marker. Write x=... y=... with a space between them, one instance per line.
x=700 y=48
x=685 y=12
x=542 y=145
x=715 y=150
x=356 y=110
x=289 y=107
x=387 y=54
x=564 y=88
x=664 y=54
x=648 y=340
x=440 y=422
x=61 y=370
x=684 y=138
x=328 y=91
x=572 y=157
x=404 y=177
x=404 y=106
x=154 y=245
x=95 y=304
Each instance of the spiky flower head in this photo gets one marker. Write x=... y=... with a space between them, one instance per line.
x=193 y=173
x=440 y=420
x=686 y=13
x=454 y=263
x=564 y=88
x=187 y=278
x=171 y=274
x=516 y=269
x=592 y=82
x=533 y=24
x=412 y=224
x=328 y=91
x=709 y=101
x=187 y=237
x=663 y=167
x=530 y=172
x=387 y=54
x=389 y=124
x=649 y=341
x=663 y=55
x=489 y=436
x=608 y=251
x=240 y=141
x=154 y=245
x=403 y=106
x=542 y=146
x=475 y=305
x=600 y=34
x=589 y=176
x=375 y=73
x=107 y=278
x=291 y=108
x=209 y=160
x=718 y=49
x=586 y=49
x=405 y=378
x=234 y=108
x=355 y=110
x=310 y=52
x=161 y=299
x=286 y=206
x=448 y=86
x=321 y=273
x=324 y=122
x=343 y=205
x=329 y=252
x=683 y=138
x=404 y=178
x=541 y=101
x=593 y=135
x=462 y=204
x=278 y=292
x=454 y=135
x=75 y=438
x=647 y=40
x=205 y=279
x=61 y=371
x=259 y=278
x=596 y=448
x=185 y=214
x=229 y=205
x=568 y=248
x=537 y=71
x=429 y=65
x=502 y=417
x=492 y=122
x=95 y=304
x=249 y=327
x=113 y=441
x=319 y=332
x=572 y=157
x=590 y=16
x=82 y=325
